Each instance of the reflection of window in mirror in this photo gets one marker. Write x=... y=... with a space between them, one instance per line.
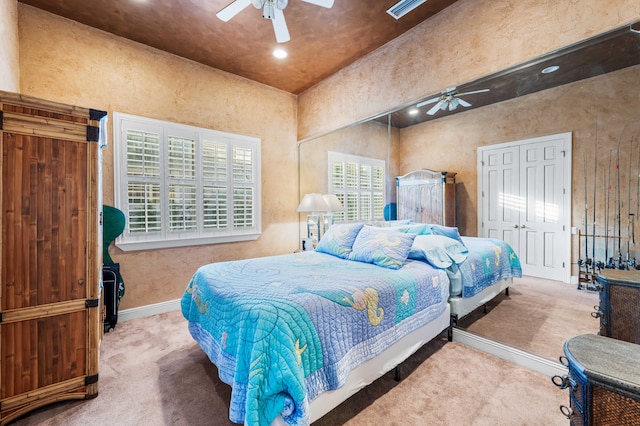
x=358 y=182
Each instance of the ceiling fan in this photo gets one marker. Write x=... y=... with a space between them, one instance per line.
x=272 y=9
x=449 y=99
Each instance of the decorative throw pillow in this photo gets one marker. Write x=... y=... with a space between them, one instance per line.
x=382 y=247
x=412 y=228
x=339 y=239
x=447 y=231
x=438 y=250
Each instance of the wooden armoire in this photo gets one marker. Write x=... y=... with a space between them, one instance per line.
x=425 y=196
x=50 y=317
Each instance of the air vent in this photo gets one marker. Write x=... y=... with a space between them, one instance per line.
x=403 y=7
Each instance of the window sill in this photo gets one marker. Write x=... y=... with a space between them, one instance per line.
x=184 y=242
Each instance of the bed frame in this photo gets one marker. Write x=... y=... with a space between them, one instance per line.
x=461 y=307
x=375 y=368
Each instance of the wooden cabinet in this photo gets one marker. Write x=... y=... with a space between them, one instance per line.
x=50 y=259
x=603 y=381
x=619 y=301
x=425 y=196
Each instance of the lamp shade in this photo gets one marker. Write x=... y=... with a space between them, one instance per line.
x=333 y=202
x=313 y=203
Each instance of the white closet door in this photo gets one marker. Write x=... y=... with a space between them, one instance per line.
x=501 y=202
x=542 y=241
x=524 y=190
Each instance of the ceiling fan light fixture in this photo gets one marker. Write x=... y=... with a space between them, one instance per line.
x=268 y=12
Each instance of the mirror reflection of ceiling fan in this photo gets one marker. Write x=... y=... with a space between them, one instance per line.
x=272 y=9
x=448 y=99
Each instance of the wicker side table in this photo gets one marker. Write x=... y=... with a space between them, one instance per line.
x=619 y=310
x=604 y=381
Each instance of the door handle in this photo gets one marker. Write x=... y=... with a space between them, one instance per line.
x=522 y=226
x=516 y=226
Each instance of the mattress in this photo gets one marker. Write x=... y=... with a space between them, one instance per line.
x=285 y=330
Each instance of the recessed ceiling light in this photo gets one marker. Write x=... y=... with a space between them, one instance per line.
x=280 y=53
x=549 y=70
x=413 y=111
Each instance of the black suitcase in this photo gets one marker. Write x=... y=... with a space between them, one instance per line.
x=113 y=290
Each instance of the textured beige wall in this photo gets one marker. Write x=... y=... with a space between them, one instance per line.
x=64 y=61
x=470 y=39
x=9 y=70
x=370 y=139
x=605 y=107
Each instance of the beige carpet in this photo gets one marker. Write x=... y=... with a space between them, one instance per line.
x=538 y=316
x=153 y=373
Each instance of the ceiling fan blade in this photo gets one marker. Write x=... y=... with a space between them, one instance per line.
x=436 y=107
x=453 y=104
x=463 y=103
x=473 y=92
x=427 y=102
x=280 y=27
x=232 y=9
x=324 y=3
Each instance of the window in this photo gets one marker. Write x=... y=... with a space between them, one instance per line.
x=358 y=182
x=181 y=185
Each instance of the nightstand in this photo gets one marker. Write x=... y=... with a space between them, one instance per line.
x=603 y=381
x=619 y=309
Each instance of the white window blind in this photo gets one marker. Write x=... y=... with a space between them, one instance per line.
x=181 y=185
x=358 y=182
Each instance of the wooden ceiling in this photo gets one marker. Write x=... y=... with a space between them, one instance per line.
x=323 y=41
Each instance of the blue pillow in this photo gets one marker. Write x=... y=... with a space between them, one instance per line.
x=447 y=231
x=382 y=247
x=413 y=228
x=339 y=238
x=438 y=250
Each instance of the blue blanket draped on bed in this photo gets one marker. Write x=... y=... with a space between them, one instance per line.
x=488 y=262
x=264 y=323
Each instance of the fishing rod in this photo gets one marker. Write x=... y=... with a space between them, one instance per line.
x=607 y=193
x=609 y=260
x=586 y=214
x=595 y=182
x=618 y=214
x=630 y=215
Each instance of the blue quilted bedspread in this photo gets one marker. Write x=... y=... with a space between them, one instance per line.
x=488 y=262
x=284 y=329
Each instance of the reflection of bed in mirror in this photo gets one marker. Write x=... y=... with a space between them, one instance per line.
x=602 y=78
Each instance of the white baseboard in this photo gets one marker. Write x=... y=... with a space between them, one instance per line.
x=149 y=310
x=524 y=359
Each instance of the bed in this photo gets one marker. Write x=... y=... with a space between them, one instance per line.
x=296 y=334
x=489 y=269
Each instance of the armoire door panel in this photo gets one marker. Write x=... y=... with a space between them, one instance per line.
x=47 y=227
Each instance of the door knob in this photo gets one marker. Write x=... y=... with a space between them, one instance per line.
x=516 y=226
x=522 y=226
